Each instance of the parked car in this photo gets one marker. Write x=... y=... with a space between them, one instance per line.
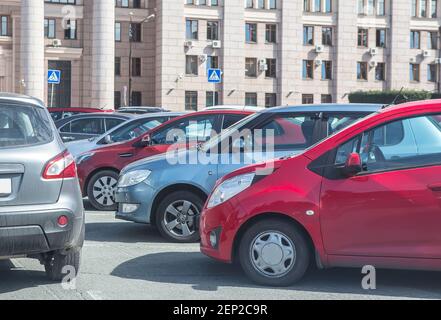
x=171 y=196
x=41 y=209
x=128 y=130
x=140 y=110
x=62 y=113
x=99 y=169
x=368 y=195
x=90 y=125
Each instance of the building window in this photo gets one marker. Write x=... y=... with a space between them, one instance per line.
x=362 y=73
x=70 y=33
x=213 y=30
x=381 y=7
x=414 y=70
x=136 y=98
x=327 y=36
x=434 y=9
x=212 y=62
x=380 y=71
x=136 y=67
x=117 y=97
x=191 y=100
x=431 y=72
x=328 y=6
x=192 y=29
x=250 y=67
x=415 y=37
x=251 y=99
x=249 y=4
x=362 y=39
x=5 y=29
x=307 y=98
x=191 y=65
x=327 y=70
x=49 y=28
x=326 y=98
x=118 y=66
x=271 y=72
x=381 y=38
x=308 y=69
x=135 y=32
x=308 y=35
x=212 y=98
x=251 y=32
x=371 y=7
x=432 y=40
x=423 y=8
x=117 y=31
x=272 y=4
x=271 y=33
x=260 y=4
x=270 y=100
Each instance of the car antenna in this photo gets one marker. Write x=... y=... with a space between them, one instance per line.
x=396 y=99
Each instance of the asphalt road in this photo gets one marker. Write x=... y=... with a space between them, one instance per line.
x=127 y=261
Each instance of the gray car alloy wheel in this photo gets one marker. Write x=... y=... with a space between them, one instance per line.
x=180 y=218
x=272 y=254
x=104 y=190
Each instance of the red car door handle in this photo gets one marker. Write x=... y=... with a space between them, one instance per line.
x=435 y=187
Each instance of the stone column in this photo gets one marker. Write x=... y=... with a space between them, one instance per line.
x=32 y=48
x=103 y=54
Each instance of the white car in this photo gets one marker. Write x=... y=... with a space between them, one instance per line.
x=126 y=131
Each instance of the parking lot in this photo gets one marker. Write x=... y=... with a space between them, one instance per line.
x=127 y=261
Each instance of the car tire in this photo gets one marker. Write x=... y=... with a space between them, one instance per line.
x=55 y=265
x=185 y=222
x=101 y=190
x=264 y=253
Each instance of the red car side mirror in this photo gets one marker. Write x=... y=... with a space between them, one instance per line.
x=353 y=165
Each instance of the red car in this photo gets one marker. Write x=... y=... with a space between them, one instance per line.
x=368 y=195
x=62 y=113
x=99 y=169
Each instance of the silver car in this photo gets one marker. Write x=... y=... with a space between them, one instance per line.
x=41 y=209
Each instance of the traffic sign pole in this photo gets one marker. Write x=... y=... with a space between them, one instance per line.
x=52 y=95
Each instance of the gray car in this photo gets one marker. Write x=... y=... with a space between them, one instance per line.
x=41 y=209
x=170 y=195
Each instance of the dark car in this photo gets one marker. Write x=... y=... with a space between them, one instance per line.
x=141 y=110
x=86 y=126
x=62 y=113
x=41 y=209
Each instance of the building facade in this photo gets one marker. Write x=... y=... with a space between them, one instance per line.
x=271 y=52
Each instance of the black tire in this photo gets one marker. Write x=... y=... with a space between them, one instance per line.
x=290 y=231
x=193 y=219
x=108 y=197
x=55 y=264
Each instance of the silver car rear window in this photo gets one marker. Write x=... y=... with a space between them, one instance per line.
x=23 y=126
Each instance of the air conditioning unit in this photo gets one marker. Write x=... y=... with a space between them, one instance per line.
x=413 y=60
x=56 y=43
x=437 y=61
x=216 y=44
x=373 y=64
x=262 y=65
x=318 y=63
x=188 y=44
x=319 y=48
x=203 y=58
x=425 y=53
x=373 y=51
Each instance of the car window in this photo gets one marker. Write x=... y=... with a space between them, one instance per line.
x=337 y=122
x=231 y=119
x=194 y=129
x=87 y=126
x=135 y=129
x=112 y=123
x=407 y=143
x=56 y=115
x=23 y=126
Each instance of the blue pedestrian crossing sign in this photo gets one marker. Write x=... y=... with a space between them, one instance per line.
x=54 y=76
x=214 y=75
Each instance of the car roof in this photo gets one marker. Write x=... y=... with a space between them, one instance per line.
x=235 y=107
x=157 y=114
x=95 y=115
x=13 y=97
x=327 y=107
x=78 y=109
